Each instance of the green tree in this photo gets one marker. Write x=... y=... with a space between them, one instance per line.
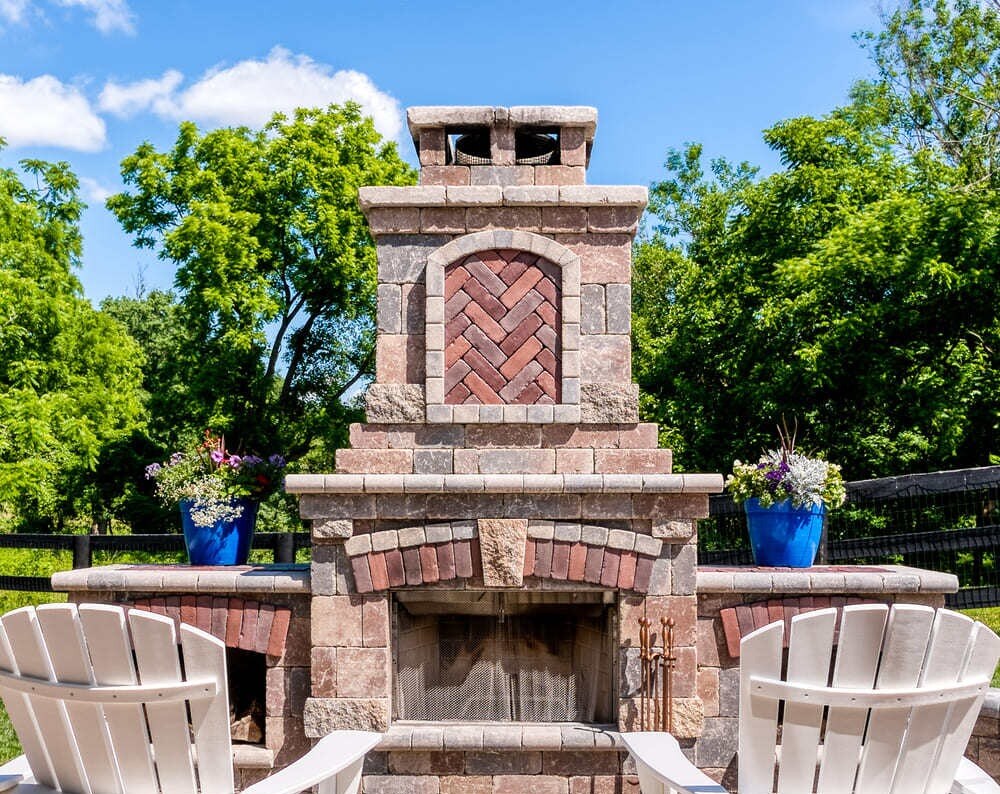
x=275 y=269
x=854 y=289
x=69 y=375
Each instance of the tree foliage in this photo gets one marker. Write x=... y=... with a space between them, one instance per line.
x=68 y=374
x=275 y=271
x=855 y=289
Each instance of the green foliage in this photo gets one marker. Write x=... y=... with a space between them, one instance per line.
x=275 y=275
x=855 y=289
x=68 y=374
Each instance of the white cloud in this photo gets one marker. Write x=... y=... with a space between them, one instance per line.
x=13 y=10
x=109 y=15
x=250 y=91
x=94 y=191
x=129 y=99
x=46 y=112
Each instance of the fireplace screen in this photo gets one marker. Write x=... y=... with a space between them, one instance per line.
x=523 y=657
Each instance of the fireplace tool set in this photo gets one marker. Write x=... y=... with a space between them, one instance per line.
x=656 y=711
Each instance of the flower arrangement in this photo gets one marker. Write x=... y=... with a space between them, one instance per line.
x=783 y=473
x=213 y=479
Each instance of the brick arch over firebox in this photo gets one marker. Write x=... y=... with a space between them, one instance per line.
x=554 y=353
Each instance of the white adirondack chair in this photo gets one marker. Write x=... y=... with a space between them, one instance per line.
x=888 y=710
x=112 y=701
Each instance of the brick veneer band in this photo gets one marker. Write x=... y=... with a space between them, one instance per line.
x=240 y=623
x=461 y=559
x=502 y=329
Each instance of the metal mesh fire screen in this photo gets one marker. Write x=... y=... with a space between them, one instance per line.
x=507 y=657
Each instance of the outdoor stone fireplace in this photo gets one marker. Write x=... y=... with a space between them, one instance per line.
x=488 y=543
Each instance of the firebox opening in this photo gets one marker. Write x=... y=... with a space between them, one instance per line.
x=504 y=657
x=247 y=685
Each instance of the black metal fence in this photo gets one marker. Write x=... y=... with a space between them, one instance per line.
x=944 y=521
x=283 y=546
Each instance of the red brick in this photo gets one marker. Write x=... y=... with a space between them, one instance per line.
x=486 y=299
x=279 y=631
x=481 y=389
x=513 y=365
x=248 y=628
x=531 y=394
x=265 y=618
x=457 y=324
x=560 y=560
x=626 y=572
x=463 y=558
x=394 y=568
x=643 y=573
x=760 y=616
x=429 y=565
x=411 y=564
x=520 y=288
x=379 y=571
x=485 y=370
x=482 y=320
x=362 y=574
x=577 y=562
x=220 y=617
x=595 y=564
x=203 y=617
x=445 y=561
x=189 y=610
x=513 y=271
x=731 y=627
x=609 y=571
x=529 y=558
x=456 y=350
x=158 y=605
x=172 y=607
x=543 y=558
x=477 y=557
x=233 y=622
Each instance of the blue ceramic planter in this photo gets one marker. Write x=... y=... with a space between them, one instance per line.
x=782 y=535
x=223 y=543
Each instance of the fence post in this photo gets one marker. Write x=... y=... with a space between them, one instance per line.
x=81 y=551
x=284 y=547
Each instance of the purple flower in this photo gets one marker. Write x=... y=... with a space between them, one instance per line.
x=176 y=458
x=216 y=455
x=235 y=461
x=276 y=460
x=152 y=470
x=252 y=460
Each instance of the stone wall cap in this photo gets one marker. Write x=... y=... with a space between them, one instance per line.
x=500 y=736
x=387 y=197
x=511 y=483
x=430 y=116
x=856 y=579
x=287 y=578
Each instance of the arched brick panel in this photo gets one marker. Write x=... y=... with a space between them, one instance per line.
x=502 y=330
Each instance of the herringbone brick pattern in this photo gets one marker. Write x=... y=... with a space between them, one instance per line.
x=502 y=329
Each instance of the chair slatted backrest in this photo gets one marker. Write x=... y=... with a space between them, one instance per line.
x=888 y=709
x=113 y=701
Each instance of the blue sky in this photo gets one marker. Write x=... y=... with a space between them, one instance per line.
x=88 y=80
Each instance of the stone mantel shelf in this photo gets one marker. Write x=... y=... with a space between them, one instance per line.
x=503 y=483
x=499 y=736
x=261 y=579
x=840 y=579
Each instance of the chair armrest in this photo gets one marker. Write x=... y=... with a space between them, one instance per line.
x=332 y=754
x=970 y=779
x=658 y=754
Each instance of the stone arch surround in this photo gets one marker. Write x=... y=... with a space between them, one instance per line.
x=564 y=267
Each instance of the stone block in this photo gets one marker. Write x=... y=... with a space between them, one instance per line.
x=466 y=784
x=619 y=308
x=522 y=218
x=393 y=402
x=569 y=762
x=426 y=763
x=604 y=403
x=444 y=175
x=564 y=220
x=689 y=719
x=442 y=220
x=574 y=461
x=716 y=746
x=572 y=146
x=517 y=461
x=390 y=308
x=393 y=220
x=503 y=763
x=324 y=673
x=402 y=258
x=606 y=358
x=502 y=543
x=363 y=672
x=399 y=358
x=336 y=621
x=487 y=437
x=414 y=301
x=332 y=528
x=609 y=220
x=592 y=309
x=463 y=737
x=433 y=461
x=326 y=506
x=560 y=175
x=674 y=529
x=604 y=258
x=402 y=784
x=632 y=461
x=374 y=461
x=530 y=784
x=501 y=175
x=433 y=146
x=325 y=715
